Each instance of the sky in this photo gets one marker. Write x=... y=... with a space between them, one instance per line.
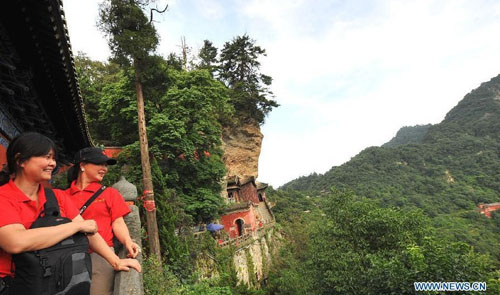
x=347 y=74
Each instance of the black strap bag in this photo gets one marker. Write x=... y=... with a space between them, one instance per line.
x=63 y=269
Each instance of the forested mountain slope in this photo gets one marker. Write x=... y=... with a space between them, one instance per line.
x=458 y=160
x=446 y=172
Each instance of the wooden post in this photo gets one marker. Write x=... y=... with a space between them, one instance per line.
x=152 y=226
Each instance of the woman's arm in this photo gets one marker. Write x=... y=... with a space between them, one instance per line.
x=98 y=245
x=121 y=232
x=15 y=238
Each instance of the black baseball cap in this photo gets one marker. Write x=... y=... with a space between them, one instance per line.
x=93 y=155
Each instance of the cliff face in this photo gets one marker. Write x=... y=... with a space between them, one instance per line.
x=242 y=150
x=252 y=262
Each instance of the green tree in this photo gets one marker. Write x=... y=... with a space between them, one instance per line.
x=174 y=61
x=160 y=282
x=117 y=110
x=351 y=245
x=93 y=78
x=132 y=38
x=240 y=71
x=186 y=139
x=208 y=57
x=185 y=112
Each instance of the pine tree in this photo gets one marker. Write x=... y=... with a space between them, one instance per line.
x=208 y=57
x=240 y=71
x=132 y=38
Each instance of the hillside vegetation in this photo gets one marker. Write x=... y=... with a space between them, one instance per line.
x=401 y=213
x=446 y=171
x=407 y=135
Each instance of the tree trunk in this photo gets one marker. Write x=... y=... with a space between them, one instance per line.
x=152 y=226
x=184 y=52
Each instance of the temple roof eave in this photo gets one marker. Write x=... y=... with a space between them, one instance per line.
x=37 y=30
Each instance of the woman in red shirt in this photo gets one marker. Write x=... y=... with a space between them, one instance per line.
x=108 y=210
x=30 y=162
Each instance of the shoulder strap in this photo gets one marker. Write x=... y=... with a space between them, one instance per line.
x=51 y=206
x=91 y=199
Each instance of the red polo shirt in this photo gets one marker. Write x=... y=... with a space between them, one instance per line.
x=109 y=206
x=16 y=207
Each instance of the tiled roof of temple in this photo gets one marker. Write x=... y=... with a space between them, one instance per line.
x=38 y=85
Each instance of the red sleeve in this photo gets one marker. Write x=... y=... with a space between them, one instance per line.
x=9 y=213
x=68 y=209
x=117 y=205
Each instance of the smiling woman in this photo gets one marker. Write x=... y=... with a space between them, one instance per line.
x=30 y=161
x=108 y=209
x=45 y=163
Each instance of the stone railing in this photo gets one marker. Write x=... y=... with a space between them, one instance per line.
x=131 y=282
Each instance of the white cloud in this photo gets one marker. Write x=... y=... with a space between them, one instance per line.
x=81 y=18
x=211 y=9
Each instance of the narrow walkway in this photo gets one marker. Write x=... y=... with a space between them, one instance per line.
x=264 y=212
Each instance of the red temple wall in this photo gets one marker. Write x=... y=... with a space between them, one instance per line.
x=229 y=221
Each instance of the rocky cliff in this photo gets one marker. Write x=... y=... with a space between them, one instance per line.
x=242 y=149
x=251 y=259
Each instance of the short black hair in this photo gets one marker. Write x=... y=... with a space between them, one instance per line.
x=22 y=148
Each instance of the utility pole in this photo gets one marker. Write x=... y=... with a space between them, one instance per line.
x=147 y=180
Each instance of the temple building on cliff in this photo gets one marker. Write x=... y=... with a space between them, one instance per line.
x=38 y=85
x=247 y=207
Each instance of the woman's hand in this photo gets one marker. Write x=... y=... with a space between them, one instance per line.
x=133 y=249
x=126 y=264
x=88 y=226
